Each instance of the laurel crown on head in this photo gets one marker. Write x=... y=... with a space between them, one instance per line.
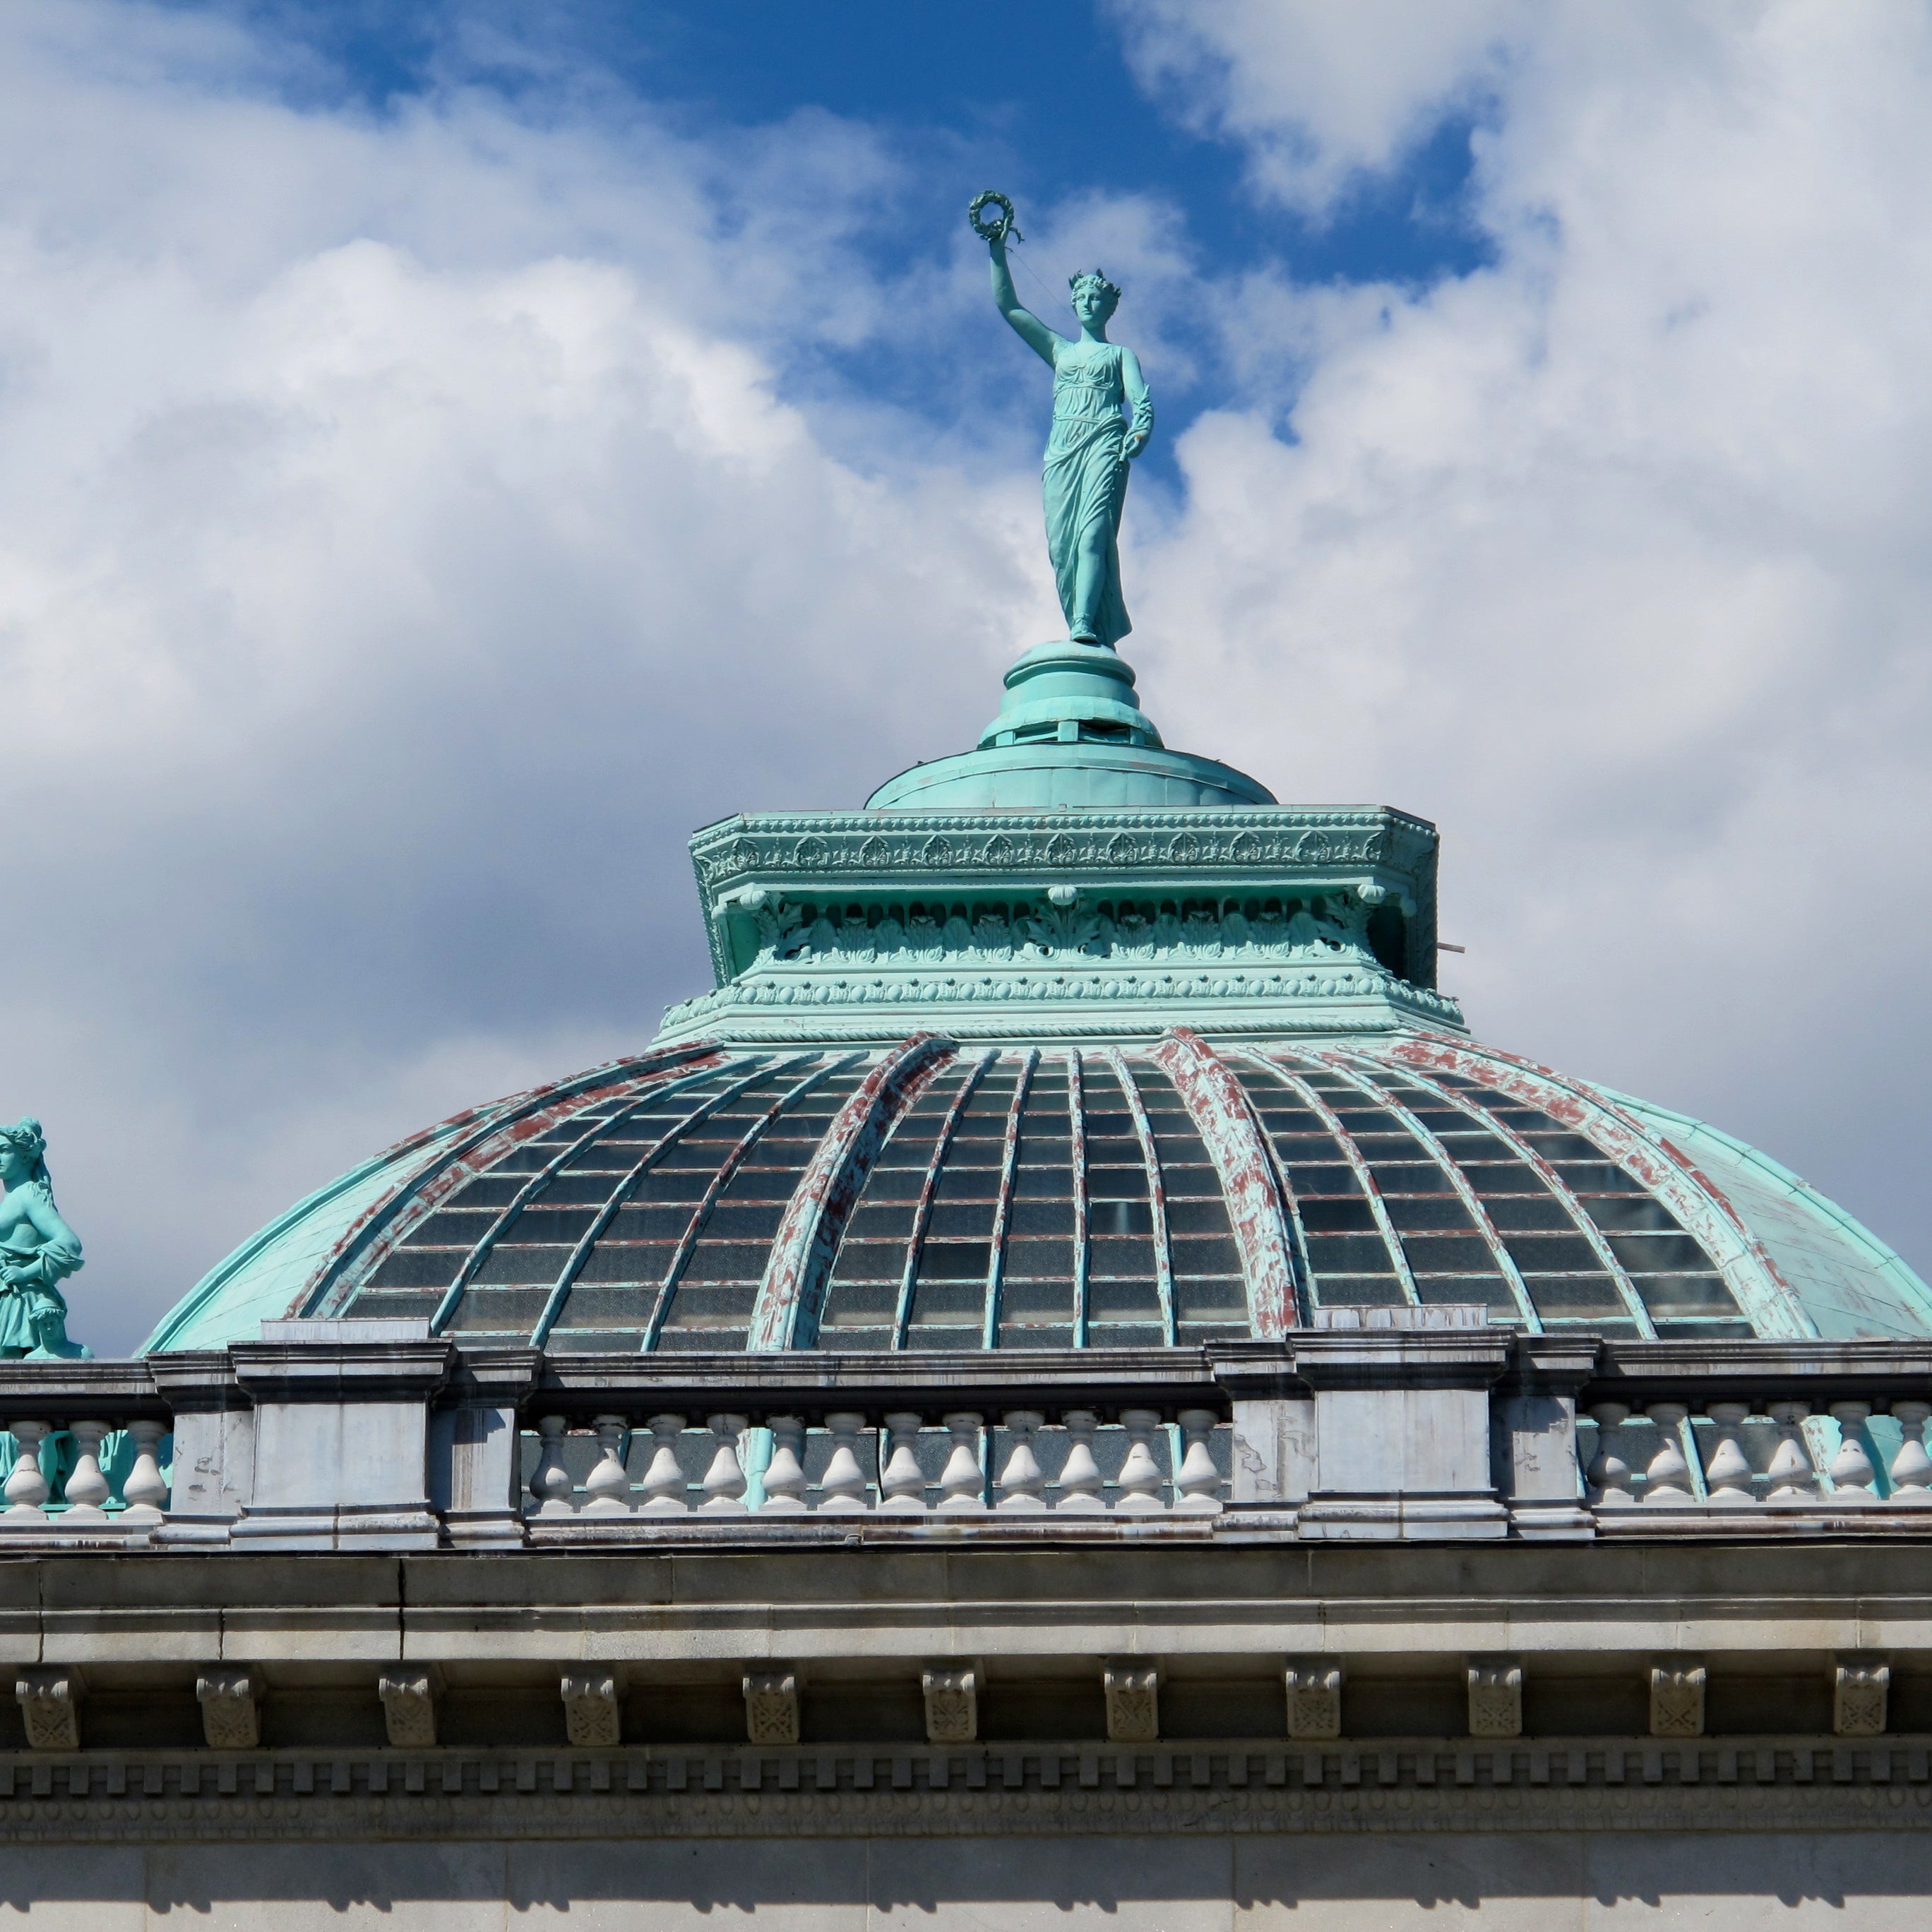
x=1095 y=278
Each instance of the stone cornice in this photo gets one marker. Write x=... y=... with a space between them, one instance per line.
x=763 y=876
x=1237 y=1787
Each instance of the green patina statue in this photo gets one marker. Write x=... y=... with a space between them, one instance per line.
x=37 y=1251
x=1091 y=446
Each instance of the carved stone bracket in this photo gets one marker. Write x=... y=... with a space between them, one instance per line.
x=1677 y=1697
x=771 y=1706
x=409 y=1695
x=1861 y=1687
x=1133 y=1701
x=593 y=1712
x=1496 y=1696
x=952 y=1703
x=1314 y=1687
x=50 y=1702
x=231 y=1707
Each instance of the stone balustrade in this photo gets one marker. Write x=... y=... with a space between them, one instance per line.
x=84 y=1480
x=1400 y=1425
x=957 y=1464
x=1743 y=1456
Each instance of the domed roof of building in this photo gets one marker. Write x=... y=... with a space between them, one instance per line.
x=933 y=1195
x=1070 y=1042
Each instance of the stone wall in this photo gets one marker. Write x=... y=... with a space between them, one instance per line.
x=1205 y=1881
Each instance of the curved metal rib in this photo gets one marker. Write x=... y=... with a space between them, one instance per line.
x=479 y=1252
x=1233 y=1138
x=976 y=1071
x=1470 y=1200
x=1766 y=1299
x=1163 y=1254
x=1076 y=1148
x=1003 y=1205
x=566 y=1279
x=501 y=1128
x=681 y=1255
x=1358 y=1164
x=785 y=1315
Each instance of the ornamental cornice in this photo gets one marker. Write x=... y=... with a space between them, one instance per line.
x=1171 y=991
x=1197 y=841
x=1237 y=1787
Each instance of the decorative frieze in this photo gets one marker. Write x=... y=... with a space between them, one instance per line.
x=231 y=1707
x=1325 y=991
x=672 y=1793
x=409 y=1695
x=1327 y=929
x=771 y=1706
x=952 y=1692
x=593 y=1711
x=969 y=888
x=49 y=1702
x=1677 y=1697
x=860 y=844
x=1133 y=1690
x=1314 y=1687
x=1861 y=1688
x=1495 y=1686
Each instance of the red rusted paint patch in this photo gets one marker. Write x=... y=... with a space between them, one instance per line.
x=815 y=1216
x=1225 y=1121
x=506 y=1125
x=1704 y=1209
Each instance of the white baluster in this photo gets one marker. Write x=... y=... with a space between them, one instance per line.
x=606 y=1489
x=549 y=1481
x=1912 y=1467
x=784 y=1476
x=87 y=1486
x=1727 y=1471
x=664 y=1485
x=27 y=1490
x=1853 y=1478
x=843 y=1486
x=146 y=1490
x=1197 y=1480
x=1080 y=1479
x=901 y=1480
x=1790 y=1473
x=1608 y=1475
x=724 y=1485
x=1021 y=1481
x=963 y=1481
x=1667 y=1480
x=1140 y=1474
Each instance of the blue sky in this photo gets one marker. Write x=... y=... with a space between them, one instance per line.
x=447 y=454
x=1037 y=99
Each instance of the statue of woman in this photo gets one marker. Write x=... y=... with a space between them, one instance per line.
x=1089 y=447
x=37 y=1249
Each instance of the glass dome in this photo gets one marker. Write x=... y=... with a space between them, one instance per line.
x=936 y=1195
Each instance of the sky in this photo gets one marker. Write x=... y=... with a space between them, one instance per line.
x=447 y=453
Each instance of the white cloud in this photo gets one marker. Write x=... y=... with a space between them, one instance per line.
x=1614 y=558
x=1319 y=95
x=411 y=526
x=405 y=539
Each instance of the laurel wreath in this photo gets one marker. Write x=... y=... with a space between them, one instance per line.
x=1003 y=224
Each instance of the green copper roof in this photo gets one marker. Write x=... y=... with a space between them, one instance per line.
x=1034 y=1052
x=929 y=1193
x=1070 y=736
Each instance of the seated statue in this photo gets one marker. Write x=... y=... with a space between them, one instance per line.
x=37 y=1251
